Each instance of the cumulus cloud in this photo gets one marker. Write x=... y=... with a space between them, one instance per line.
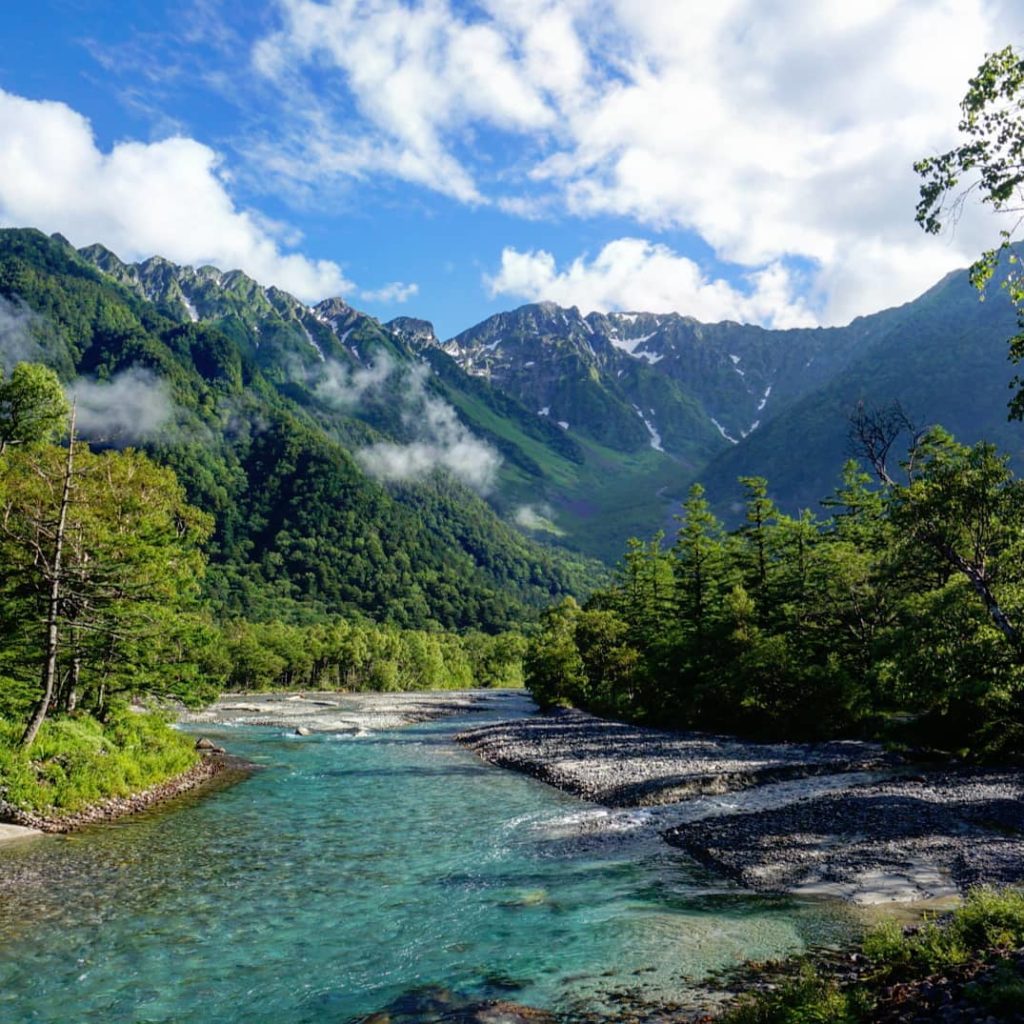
x=169 y=198
x=774 y=133
x=132 y=407
x=391 y=56
x=396 y=291
x=634 y=274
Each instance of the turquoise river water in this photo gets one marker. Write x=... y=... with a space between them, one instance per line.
x=352 y=870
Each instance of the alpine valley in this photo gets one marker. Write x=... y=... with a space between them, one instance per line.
x=354 y=466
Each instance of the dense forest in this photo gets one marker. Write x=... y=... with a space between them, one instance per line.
x=897 y=613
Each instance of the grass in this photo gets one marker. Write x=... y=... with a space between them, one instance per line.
x=988 y=925
x=77 y=761
x=804 y=1000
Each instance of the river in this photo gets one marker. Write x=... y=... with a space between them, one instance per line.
x=351 y=870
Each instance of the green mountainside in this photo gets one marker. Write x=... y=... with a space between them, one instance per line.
x=944 y=360
x=253 y=406
x=724 y=400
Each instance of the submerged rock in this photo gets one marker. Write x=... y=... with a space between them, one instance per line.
x=440 y=1005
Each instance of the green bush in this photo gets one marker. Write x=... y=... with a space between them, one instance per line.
x=77 y=761
x=807 y=1000
x=990 y=922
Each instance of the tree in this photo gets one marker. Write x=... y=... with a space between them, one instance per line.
x=965 y=505
x=102 y=565
x=990 y=163
x=554 y=669
x=961 y=504
x=48 y=551
x=32 y=406
x=698 y=563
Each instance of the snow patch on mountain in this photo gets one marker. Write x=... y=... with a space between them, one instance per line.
x=655 y=436
x=723 y=432
x=629 y=345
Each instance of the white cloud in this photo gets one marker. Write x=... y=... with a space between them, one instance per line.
x=168 y=198
x=443 y=441
x=634 y=274
x=437 y=438
x=771 y=131
x=536 y=518
x=133 y=406
x=343 y=387
x=17 y=342
x=416 y=73
x=396 y=291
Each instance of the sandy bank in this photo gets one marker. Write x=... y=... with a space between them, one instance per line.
x=11 y=833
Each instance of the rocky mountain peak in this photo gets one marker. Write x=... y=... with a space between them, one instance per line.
x=415 y=333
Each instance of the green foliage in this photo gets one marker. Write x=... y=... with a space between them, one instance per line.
x=987 y=926
x=554 y=667
x=129 y=616
x=990 y=162
x=990 y=920
x=33 y=408
x=908 y=598
x=346 y=655
x=77 y=761
x=806 y=1000
x=299 y=530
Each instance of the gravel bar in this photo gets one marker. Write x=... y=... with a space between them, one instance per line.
x=623 y=765
x=355 y=713
x=905 y=838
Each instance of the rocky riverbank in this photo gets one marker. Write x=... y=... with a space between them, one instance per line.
x=836 y=819
x=219 y=766
x=942 y=833
x=353 y=713
x=622 y=765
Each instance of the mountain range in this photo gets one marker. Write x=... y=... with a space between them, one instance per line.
x=373 y=468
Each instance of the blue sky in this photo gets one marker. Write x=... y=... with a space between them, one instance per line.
x=740 y=160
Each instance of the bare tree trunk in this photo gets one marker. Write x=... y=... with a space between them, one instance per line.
x=76 y=673
x=981 y=587
x=53 y=605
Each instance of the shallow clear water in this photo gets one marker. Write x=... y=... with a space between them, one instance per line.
x=352 y=870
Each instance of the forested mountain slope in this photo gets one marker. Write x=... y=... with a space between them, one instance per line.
x=724 y=400
x=540 y=422
x=254 y=407
x=945 y=362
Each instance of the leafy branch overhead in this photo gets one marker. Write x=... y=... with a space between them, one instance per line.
x=990 y=163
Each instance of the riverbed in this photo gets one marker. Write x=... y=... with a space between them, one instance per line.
x=361 y=865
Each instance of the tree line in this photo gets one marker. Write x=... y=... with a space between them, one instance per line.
x=897 y=612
